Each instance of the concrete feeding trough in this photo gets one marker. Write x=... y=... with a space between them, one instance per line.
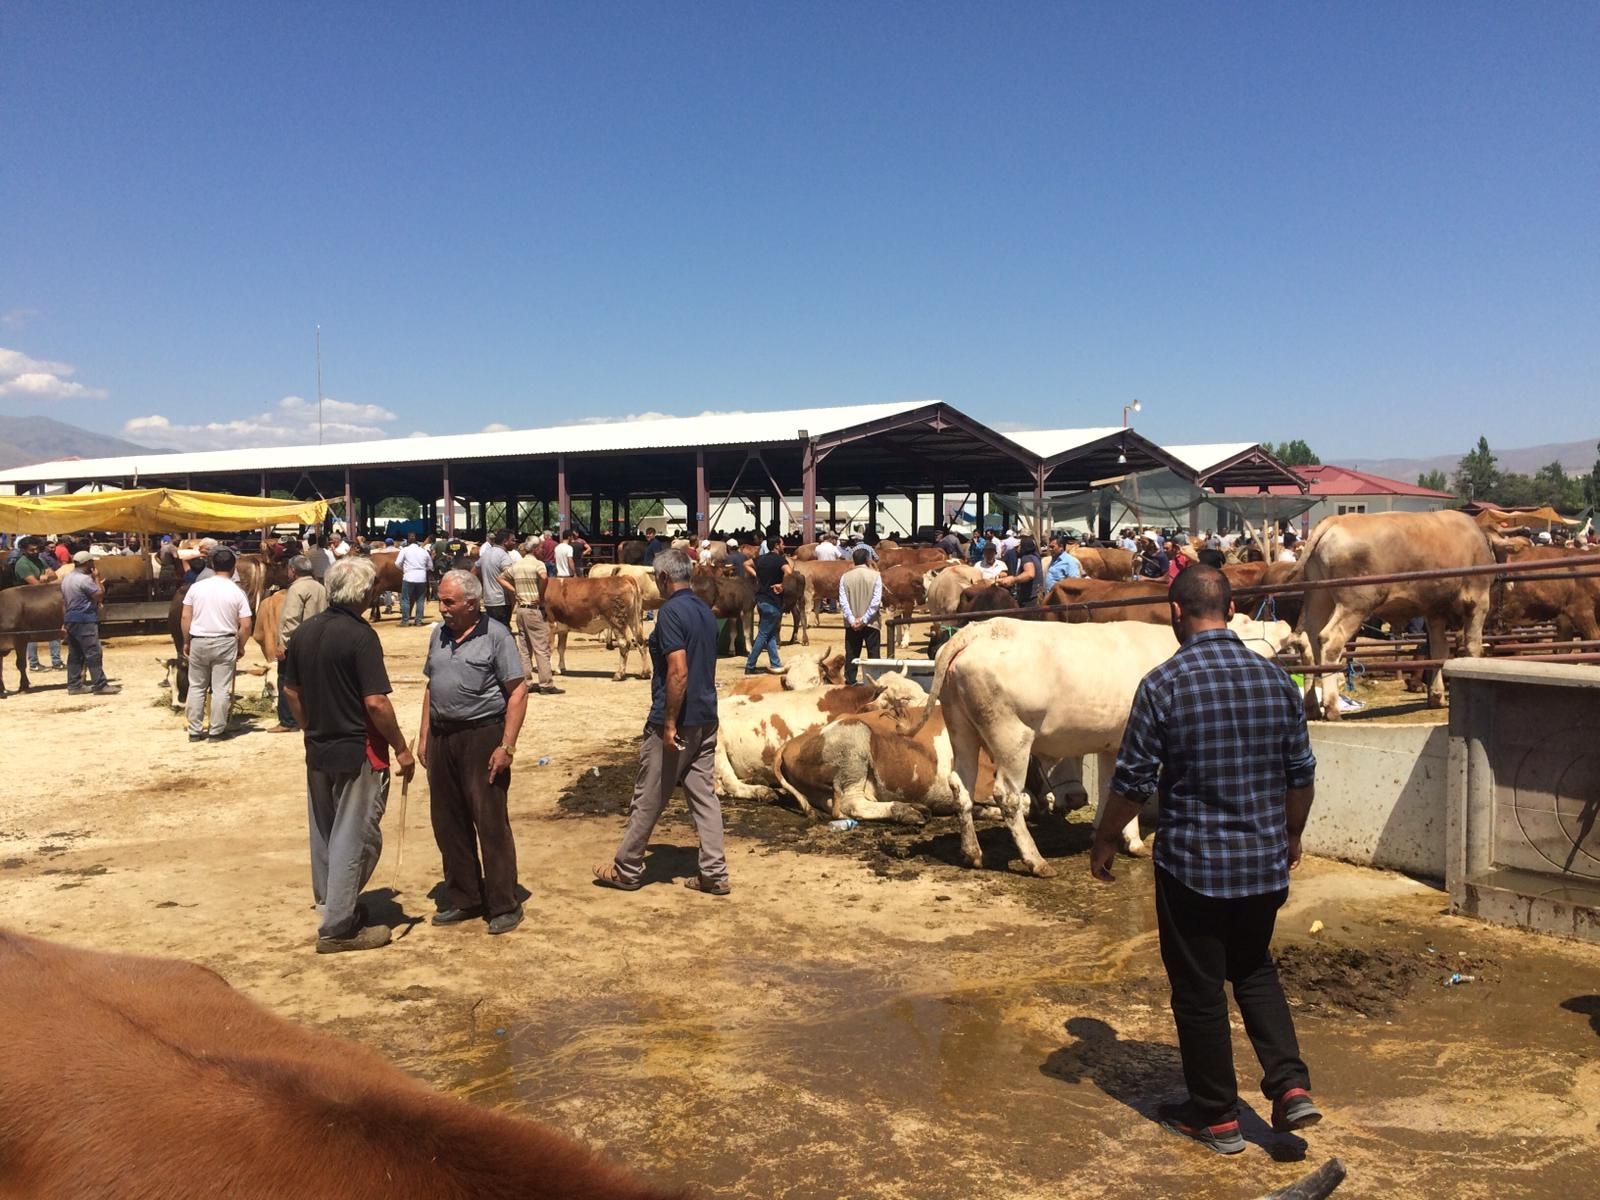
x=1524 y=795
x=919 y=670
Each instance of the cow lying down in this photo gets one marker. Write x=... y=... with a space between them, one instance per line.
x=143 y=1078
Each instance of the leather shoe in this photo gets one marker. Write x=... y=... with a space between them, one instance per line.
x=454 y=916
x=506 y=922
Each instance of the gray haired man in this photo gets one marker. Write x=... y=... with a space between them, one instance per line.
x=679 y=745
x=338 y=690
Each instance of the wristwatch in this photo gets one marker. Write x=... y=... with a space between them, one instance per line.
x=511 y=751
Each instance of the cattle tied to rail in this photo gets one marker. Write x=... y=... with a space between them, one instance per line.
x=610 y=605
x=1028 y=689
x=28 y=614
x=145 y=1078
x=1388 y=544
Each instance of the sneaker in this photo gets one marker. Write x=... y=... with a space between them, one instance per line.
x=1294 y=1110
x=74 y=691
x=506 y=922
x=368 y=937
x=55 y=666
x=1223 y=1137
x=105 y=689
x=197 y=737
x=454 y=916
x=777 y=670
x=552 y=690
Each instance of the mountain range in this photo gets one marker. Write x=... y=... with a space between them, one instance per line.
x=25 y=440
x=1577 y=457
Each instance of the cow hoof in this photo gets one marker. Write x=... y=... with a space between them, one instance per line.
x=1041 y=870
x=907 y=814
x=1435 y=701
x=1139 y=850
x=974 y=860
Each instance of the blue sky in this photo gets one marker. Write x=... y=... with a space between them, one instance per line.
x=1375 y=226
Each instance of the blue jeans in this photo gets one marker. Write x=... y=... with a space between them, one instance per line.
x=771 y=618
x=413 y=601
x=83 y=653
x=33 y=654
x=285 y=713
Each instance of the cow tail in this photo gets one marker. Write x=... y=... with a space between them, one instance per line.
x=941 y=667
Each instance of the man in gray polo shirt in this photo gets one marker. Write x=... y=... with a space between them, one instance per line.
x=493 y=560
x=472 y=710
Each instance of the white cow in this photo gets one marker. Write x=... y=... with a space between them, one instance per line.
x=944 y=586
x=1051 y=691
x=752 y=729
x=645 y=577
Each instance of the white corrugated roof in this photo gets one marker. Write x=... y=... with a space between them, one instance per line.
x=1203 y=458
x=1047 y=443
x=707 y=429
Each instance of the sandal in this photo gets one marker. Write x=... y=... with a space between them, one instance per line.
x=699 y=883
x=607 y=876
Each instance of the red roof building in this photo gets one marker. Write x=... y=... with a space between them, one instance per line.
x=1342 y=490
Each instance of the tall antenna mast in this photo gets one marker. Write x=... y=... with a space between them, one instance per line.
x=319 y=385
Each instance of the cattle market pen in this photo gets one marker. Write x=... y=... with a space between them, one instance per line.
x=1506 y=645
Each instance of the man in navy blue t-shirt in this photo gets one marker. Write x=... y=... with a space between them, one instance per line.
x=679 y=745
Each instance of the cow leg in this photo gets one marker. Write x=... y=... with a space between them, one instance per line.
x=964 y=750
x=1477 y=606
x=561 y=652
x=622 y=644
x=1132 y=841
x=1330 y=650
x=1438 y=647
x=1010 y=750
x=857 y=802
x=729 y=784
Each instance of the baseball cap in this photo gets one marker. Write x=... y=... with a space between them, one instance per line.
x=733 y=543
x=82 y=556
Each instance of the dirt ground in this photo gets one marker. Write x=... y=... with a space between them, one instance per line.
x=860 y=1018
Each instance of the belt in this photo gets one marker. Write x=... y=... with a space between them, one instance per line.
x=438 y=724
x=203 y=637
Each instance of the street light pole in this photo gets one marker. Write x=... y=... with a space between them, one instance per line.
x=1126 y=409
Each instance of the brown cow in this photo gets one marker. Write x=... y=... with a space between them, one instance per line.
x=979 y=598
x=910 y=556
x=903 y=593
x=182 y=1087
x=1104 y=562
x=591 y=605
x=389 y=579
x=1079 y=591
x=1385 y=544
x=28 y=614
x=1570 y=603
x=868 y=769
x=730 y=599
x=821 y=583
x=264 y=630
x=649 y=593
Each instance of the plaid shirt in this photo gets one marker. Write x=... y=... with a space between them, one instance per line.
x=1220 y=732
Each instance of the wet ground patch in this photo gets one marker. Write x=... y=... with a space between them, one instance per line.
x=1336 y=980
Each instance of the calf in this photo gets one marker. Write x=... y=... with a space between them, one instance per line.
x=145 y=1077
x=867 y=769
x=591 y=605
x=28 y=614
x=826 y=670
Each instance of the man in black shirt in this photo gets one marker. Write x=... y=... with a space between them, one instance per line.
x=772 y=568
x=338 y=690
x=680 y=735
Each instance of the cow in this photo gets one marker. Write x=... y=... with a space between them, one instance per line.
x=590 y=605
x=1245 y=575
x=979 y=598
x=1104 y=562
x=804 y=673
x=181 y=1086
x=1570 y=603
x=730 y=599
x=864 y=767
x=1051 y=691
x=631 y=553
x=28 y=614
x=821 y=581
x=125 y=576
x=264 y=629
x=902 y=594
x=1386 y=544
x=752 y=729
x=388 y=579
x=943 y=586
x=922 y=557
x=649 y=593
x=1070 y=592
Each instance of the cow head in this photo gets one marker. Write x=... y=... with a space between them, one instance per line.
x=1270 y=639
x=898 y=694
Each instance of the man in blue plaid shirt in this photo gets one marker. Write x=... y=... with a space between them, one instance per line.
x=1219 y=733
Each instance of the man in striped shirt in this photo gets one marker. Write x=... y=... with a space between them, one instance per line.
x=1220 y=734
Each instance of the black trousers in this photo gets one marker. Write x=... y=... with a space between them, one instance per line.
x=500 y=612
x=854 y=641
x=1206 y=942
x=469 y=814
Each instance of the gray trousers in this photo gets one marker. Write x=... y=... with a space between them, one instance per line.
x=343 y=812
x=532 y=633
x=661 y=769
x=211 y=665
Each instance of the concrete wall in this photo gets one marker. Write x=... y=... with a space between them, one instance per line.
x=1381 y=796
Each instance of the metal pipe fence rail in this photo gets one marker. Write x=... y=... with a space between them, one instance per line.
x=1584 y=566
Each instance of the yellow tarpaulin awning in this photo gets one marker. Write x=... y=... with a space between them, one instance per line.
x=1545 y=516
x=152 y=510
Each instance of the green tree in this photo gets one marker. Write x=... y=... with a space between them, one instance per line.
x=1553 y=486
x=1477 y=474
x=1513 y=489
x=400 y=508
x=1293 y=454
x=1434 y=480
x=1591 y=483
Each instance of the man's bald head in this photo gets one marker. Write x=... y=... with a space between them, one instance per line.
x=1202 y=592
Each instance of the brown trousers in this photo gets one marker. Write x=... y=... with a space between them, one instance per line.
x=469 y=813
x=532 y=634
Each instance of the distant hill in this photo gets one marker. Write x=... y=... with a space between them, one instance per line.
x=1577 y=457
x=25 y=440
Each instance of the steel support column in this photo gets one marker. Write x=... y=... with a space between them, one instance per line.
x=349 y=509
x=1038 y=506
x=872 y=515
x=702 y=497
x=808 y=493
x=563 y=500
x=449 y=505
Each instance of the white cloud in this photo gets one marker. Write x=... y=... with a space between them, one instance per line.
x=652 y=416
x=495 y=427
x=292 y=422
x=27 y=378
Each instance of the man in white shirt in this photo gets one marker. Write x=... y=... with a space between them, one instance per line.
x=828 y=548
x=216 y=628
x=414 y=562
x=337 y=546
x=1287 y=554
x=564 y=555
